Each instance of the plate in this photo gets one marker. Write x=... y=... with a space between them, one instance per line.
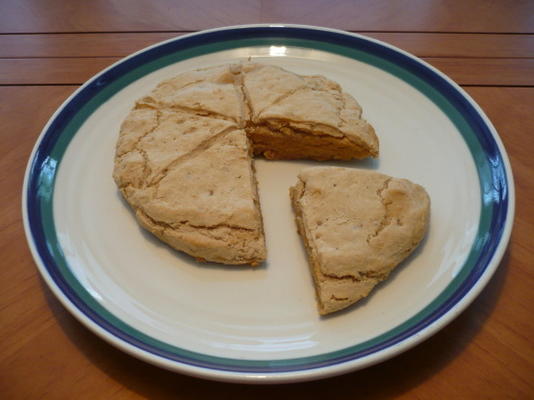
x=261 y=324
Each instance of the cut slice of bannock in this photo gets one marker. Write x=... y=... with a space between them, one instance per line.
x=190 y=181
x=294 y=116
x=356 y=226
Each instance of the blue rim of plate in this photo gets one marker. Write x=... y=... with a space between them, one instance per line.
x=490 y=164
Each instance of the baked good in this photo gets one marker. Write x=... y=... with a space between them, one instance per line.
x=294 y=116
x=184 y=163
x=198 y=196
x=357 y=226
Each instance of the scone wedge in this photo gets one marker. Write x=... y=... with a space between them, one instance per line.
x=296 y=116
x=357 y=226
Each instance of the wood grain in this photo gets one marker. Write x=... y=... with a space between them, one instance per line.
x=486 y=352
x=122 y=44
x=23 y=16
x=65 y=71
x=23 y=313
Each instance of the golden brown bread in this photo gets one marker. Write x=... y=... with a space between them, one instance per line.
x=294 y=116
x=356 y=226
x=186 y=169
x=184 y=163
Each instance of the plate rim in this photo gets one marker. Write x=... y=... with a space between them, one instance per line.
x=303 y=374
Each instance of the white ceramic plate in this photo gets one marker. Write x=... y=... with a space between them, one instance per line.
x=261 y=324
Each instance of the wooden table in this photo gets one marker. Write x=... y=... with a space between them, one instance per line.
x=48 y=48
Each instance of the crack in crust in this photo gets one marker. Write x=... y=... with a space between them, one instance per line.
x=340 y=109
x=281 y=98
x=386 y=220
x=194 y=82
x=149 y=132
x=146 y=168
x=165 y=225
x=186 y=110
x=216 y=234
x=333 y=297
x=363 y=276
x=177 y=161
